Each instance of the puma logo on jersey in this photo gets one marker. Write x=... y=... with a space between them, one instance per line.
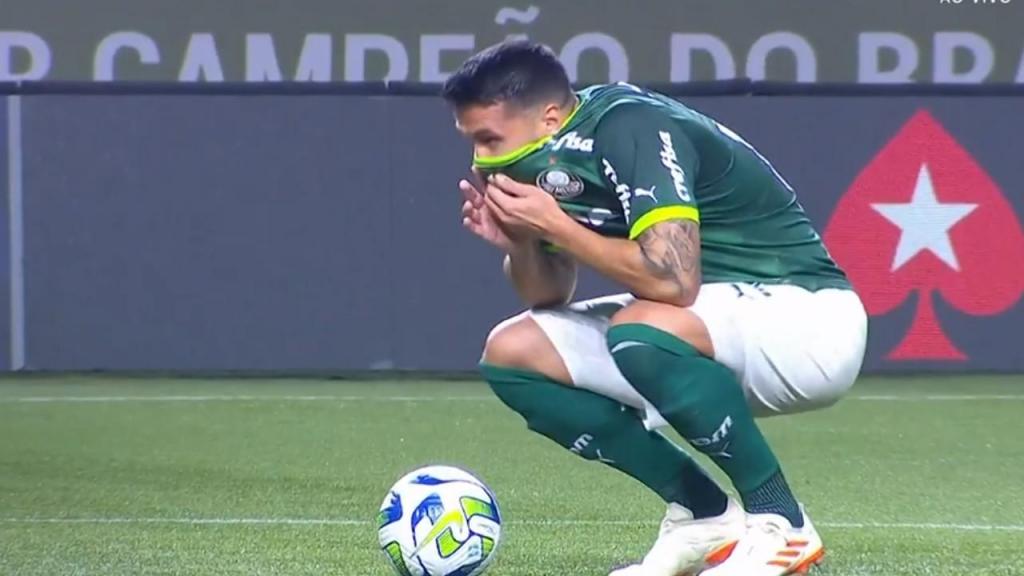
x=572 y=141
x=621 y=190
x=638 y=192
x=671 y=161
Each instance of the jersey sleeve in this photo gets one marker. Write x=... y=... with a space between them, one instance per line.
x=650 y=163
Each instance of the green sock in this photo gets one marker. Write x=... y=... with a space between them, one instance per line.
x=599 y=428
x=702 y=401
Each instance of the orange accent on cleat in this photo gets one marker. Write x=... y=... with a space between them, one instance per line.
x=812 y=560
x=797 y=543
x=789 y=553
x=780 y=563
x=721 y=554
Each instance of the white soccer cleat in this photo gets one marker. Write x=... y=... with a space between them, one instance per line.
x=772 y=547
x=686 y=546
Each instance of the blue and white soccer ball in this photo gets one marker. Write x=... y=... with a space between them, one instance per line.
x=439 y=521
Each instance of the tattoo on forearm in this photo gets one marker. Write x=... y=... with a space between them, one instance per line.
x=671 y=251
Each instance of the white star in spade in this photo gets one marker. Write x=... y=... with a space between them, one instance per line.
x=924 y=223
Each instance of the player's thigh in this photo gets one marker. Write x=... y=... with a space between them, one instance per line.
x=578 y=332
x=793 y=350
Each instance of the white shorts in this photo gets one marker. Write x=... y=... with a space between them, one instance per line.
x=792 y=350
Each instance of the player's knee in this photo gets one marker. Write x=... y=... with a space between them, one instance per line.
x=509 y=342
x=520 y=343
x=681 y=323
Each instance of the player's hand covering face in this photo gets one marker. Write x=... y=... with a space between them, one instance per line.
x=502 y=134
x=521 y=206
x=480 y=219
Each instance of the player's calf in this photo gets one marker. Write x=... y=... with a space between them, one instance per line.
x=704 y=402
x=522 y=368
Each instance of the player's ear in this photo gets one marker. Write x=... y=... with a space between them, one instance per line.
x=552 y=117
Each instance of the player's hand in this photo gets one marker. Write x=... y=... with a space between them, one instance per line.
x=478 y=218
x=522 y=206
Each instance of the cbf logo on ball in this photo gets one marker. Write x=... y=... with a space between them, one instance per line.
x=560 y=183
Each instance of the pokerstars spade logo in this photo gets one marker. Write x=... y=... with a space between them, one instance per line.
x=924 y=217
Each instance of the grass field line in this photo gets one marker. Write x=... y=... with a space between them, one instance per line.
x=292 y=398
x=956 y=527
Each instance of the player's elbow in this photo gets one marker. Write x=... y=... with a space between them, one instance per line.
x=557 y=288
x=677 y=296
x=556 y=292
x=672 y=292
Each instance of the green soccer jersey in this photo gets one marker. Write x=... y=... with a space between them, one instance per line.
x=627 y=159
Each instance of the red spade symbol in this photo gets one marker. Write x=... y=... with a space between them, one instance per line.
x=923 y=215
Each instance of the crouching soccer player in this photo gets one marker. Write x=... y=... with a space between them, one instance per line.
x=735 y=308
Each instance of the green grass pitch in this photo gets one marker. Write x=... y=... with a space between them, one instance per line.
x=119 y=477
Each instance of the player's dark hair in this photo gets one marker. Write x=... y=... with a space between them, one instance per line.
x=517 y=72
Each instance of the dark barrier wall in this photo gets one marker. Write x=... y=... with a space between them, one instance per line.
x=322 y=232
x=5 y=235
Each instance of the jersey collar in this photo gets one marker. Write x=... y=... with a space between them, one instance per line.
x=524 y=151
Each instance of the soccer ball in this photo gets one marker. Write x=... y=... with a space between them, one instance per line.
x=439 y=521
